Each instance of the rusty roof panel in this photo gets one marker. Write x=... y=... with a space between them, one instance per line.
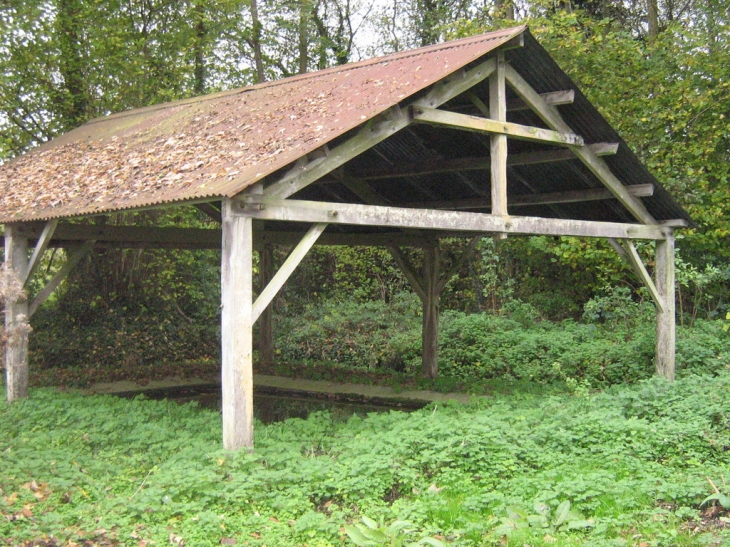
x=219 y=144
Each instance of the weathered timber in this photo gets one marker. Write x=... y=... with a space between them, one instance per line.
x=524 y=200
x=266 y=319
x=498 y=142
x=596 y=165
x=665 y=318
x=304 y=174
x=40 y=248
x=430 y=326
x=16 y=316
x=634 y=260
x=200 y=238
x=430 y=219
x=76 y=255
x=409 y=272
x=398 y=239
x=210 y=211
x=454 y=120
x=236 y=329
x=290 y=264
x=479 y=163
x=554 y=98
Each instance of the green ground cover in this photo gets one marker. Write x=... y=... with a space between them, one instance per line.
x=633 y=463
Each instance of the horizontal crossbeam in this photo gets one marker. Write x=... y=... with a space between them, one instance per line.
x=454 y=120
x=430 y=219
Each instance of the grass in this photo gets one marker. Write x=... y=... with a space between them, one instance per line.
x=633 y=463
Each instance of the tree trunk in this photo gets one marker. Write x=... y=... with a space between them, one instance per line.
x=653 y=19
x=303 y=36
x=256 y=40
x=201 y=33
x=69 y=21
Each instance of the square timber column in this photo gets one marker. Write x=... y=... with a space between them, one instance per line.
x=237 y=328
x=16 y=316
x=666 y=320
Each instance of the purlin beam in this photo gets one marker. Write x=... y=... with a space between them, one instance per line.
x=481 y=163
x=523 y=200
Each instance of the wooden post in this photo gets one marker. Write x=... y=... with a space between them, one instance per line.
x=665 y=324
x=16 y=316
x=498 y=148
x=430 y=331
x=237 y=329
x=266 y=325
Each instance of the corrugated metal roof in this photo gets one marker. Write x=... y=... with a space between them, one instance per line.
x=219 y=144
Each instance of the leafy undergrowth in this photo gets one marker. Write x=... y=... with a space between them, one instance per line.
x=84 y=376
x=629 y=466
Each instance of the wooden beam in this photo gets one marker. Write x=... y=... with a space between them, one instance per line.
x=66 y=234
x=16 y=315
x=665 y=318
x=210 y=211
x=634 y=260
x=413 y=278
x=480 y=163
x=554 y=98
x=42 y=244
x=523 y=200
x=398 y=239
x=360 y=188
x=429 y=219
x=430 y=325
x=498 y=142
x=597 y=166
x=290 y=264
x=458 y=264
x=453 y=120
x=236 y=329
x=371 y=134
x=74 y=258
x=266 y=319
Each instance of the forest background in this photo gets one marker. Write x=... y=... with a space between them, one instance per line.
x=525 y=308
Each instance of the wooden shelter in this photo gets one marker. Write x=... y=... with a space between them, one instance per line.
x=480 y=136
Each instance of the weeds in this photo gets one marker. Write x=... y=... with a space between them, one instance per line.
x=632 y=461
